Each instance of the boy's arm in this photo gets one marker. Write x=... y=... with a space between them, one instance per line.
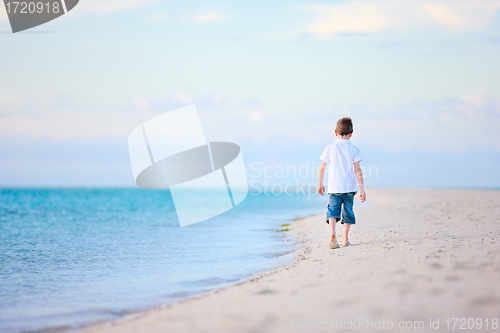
x=359 y=176
x=321 y=188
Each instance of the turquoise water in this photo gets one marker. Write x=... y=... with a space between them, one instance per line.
x=72 y=257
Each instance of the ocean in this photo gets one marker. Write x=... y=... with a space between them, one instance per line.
x=74 y=257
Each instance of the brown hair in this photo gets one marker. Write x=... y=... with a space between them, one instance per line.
x=344 y=126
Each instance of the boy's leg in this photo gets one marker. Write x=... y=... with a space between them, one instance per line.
x=332 y=221
x=333 y=214
x=345 y=236
x=348 y=215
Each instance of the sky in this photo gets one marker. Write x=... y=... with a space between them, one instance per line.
x=420 y=79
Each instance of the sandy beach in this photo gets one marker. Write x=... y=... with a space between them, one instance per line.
x=418 y=256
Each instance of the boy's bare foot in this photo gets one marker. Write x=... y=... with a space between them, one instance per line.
x=333 y=242
x=344 y=243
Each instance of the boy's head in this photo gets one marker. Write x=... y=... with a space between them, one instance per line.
x=344 y=127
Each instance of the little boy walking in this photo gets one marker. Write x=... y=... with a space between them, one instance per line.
x=343 y=169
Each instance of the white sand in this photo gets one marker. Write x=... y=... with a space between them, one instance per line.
x=417 y=254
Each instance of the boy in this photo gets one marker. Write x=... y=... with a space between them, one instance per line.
x=341 y=157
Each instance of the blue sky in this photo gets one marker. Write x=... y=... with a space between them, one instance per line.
x=420 y=80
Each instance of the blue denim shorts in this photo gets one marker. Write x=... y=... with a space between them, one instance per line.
x=341 y=203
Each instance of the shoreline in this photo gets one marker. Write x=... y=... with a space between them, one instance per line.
x=298 y=255
x=412 y=260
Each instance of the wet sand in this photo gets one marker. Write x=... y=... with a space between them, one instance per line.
x=418 y=255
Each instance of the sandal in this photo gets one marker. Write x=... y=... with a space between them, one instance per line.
x=346 y=245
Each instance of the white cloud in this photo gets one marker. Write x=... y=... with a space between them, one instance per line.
x=451 y=125
x=8 y=101
x=471 y=106
x=11 y=104
x=141 y=103
x=476 y=105
x=209 y=17
x=403 y=16
x=256 y=117
x=447 y=135
x=158 y=17
x=179 y=98
x=182 y=97
x=107 y=6
x=216 y=99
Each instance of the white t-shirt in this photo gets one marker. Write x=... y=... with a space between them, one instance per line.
x=340 y=157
